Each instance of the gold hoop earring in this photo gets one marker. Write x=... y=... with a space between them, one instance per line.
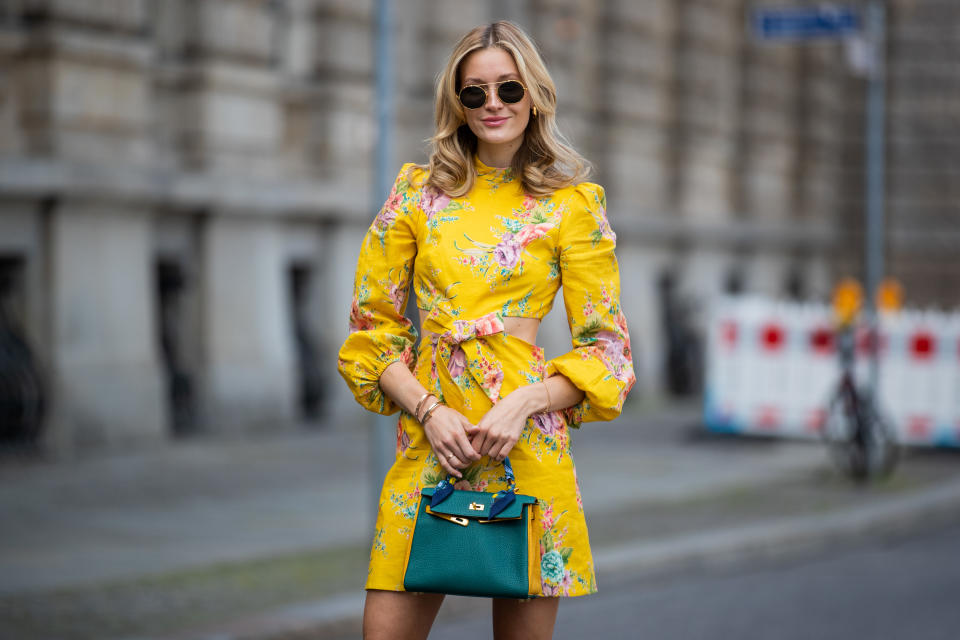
x=534 y=111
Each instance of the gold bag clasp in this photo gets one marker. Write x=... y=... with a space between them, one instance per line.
x=475 y=506
x=454 y=519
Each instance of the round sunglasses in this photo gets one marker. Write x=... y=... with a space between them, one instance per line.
x=474 y=96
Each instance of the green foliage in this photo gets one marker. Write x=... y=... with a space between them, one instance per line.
x=595 y=237
x=588 y=331
x=546 y=541
x=431 y=478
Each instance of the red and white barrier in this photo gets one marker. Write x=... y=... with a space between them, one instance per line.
x=772 y=368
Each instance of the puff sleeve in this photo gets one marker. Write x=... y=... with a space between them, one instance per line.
x=600 y=362
x=379 y=333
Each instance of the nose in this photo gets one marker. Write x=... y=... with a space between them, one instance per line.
x=493 y=99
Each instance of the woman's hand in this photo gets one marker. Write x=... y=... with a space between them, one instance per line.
x=448 y=431
x=500 y=428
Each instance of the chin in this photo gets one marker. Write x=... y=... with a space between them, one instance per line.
x=500 y=137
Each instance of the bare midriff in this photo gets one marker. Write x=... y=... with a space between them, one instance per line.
x=523 y=328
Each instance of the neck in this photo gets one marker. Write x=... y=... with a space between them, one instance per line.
x=497 y=155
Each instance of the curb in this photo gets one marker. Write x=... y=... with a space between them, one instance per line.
x=785 y=537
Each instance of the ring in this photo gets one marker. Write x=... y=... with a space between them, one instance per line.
x=452 y=455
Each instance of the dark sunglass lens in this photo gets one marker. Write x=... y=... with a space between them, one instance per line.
x=511 y=92
x=472 y=97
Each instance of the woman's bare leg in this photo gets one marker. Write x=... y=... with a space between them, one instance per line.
x=399 y=615
x=524 y=619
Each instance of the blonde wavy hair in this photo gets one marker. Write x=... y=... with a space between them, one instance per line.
x=545 y=161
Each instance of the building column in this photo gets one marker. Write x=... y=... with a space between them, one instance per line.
x=702 y=280
x=247 y=382
x=707 y=102
x=631 y=106
x=229 y=101
x=105 y=377
x=640 y=268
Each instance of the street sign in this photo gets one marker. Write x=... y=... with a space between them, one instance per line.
x=804 y=23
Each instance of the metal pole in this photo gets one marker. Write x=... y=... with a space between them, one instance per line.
x=383 y=149
x=381 y=436
x=876 y=28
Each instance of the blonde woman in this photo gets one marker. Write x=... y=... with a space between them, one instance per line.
x=486 y=233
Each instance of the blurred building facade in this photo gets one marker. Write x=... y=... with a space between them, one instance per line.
x=184 y=185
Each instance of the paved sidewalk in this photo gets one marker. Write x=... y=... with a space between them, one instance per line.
x=259 y=538
x=199 y=502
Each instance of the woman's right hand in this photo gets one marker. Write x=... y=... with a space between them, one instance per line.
x=448 y=432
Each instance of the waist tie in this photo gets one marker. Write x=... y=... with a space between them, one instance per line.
x=462 y=350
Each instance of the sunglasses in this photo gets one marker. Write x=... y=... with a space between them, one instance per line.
x=474 y=96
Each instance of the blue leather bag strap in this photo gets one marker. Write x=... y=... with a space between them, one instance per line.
x=501 y=499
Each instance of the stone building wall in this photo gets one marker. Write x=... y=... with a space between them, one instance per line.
x=923 y=168
x=184 y=185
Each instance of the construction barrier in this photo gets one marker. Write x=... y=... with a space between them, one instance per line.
x=772 y=368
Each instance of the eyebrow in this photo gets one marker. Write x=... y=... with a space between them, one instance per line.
x=505 y=76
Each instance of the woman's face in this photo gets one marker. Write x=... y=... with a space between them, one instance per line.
x=496 y=124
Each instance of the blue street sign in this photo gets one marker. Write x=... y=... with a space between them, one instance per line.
x=803 y=23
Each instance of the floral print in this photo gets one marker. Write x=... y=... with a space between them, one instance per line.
x=548 y=423
x=361 y=318
x=506 y=254
x=551 y=567
x=399 y=202
x=559 y=573
x=507 y=251
x=433 y=202
x=438 y=209
x=474 y=261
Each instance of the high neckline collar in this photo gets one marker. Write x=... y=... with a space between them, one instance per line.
x=505 y=174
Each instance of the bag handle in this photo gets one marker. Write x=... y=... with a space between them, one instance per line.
x=501 y=499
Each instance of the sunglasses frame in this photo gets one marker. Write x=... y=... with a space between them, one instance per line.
x=486 y=94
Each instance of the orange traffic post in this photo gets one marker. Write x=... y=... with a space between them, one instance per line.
x=889 y=295
x=847 y=300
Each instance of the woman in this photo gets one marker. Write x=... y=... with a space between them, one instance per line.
x=487 y=232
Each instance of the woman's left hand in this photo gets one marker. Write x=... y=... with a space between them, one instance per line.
x=500 y=428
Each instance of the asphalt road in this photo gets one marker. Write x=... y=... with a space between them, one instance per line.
x=882 y=589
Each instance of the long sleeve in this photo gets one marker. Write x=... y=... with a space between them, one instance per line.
x=600 y=363
x=379 y=333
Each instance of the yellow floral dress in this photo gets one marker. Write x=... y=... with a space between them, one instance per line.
x=473 y=261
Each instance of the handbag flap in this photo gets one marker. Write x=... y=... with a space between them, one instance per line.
x=476 y=504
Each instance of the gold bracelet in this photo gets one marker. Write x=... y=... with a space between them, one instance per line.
x=420 y=420
x=549 y=401
x=428 y=412
x=416 y=411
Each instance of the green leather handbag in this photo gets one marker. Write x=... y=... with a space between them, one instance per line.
x=475 y=543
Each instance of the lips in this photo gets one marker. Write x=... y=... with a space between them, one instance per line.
x=493 y=122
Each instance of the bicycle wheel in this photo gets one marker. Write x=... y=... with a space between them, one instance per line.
x=882 y=450
x=860 y=440
x=840 y=435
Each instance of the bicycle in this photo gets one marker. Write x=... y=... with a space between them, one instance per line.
x=860 y=438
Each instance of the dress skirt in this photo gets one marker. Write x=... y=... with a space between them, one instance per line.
x=462 y=373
